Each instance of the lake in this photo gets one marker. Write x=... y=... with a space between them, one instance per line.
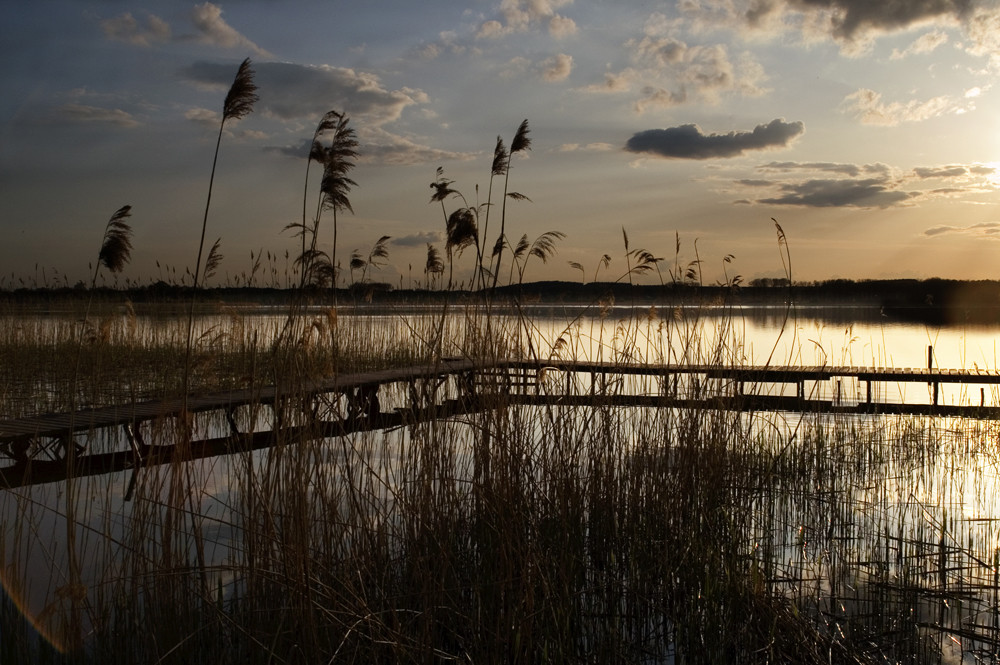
x=881 y=530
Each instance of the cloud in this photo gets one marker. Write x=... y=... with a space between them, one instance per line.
x=291 y=91
x=924 y=44
x=556 y=68
x=849 y=18
x=82 y=113
x=203 y=117
x=560 y=26
x=378 y=146
x=853 y=24
x=955 y=171
x=492 y=29
x=867 y=106
x=832 y=167
x=213 y=29
x=522 y=15
x=619 y=82
x=870 y=186
x=590 y=147
x=418 y=239
x=982 y=230
x=852 y=170
x=669 y=72
x=206 y=19
x=865 y=193
x=447 y=42
x=983 y=29
x=126 y=28
x=688 y=142
x=515 y=67
x=382 y=147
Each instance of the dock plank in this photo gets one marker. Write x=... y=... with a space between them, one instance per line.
x=58 y=424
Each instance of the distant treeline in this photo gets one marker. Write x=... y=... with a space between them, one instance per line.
x=949 y=300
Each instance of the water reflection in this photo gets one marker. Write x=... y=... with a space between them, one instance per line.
x=854 y=516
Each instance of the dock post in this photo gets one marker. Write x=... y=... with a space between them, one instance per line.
x=930 y=368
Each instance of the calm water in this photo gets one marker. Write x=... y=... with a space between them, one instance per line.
x=922 y=497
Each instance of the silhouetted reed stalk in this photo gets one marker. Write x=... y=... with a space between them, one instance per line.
x=116 y=248
x=238 y=104
x=336 y=185
x=317 y=152
x=520 y=143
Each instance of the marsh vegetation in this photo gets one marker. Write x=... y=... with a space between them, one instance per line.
x=516 y=532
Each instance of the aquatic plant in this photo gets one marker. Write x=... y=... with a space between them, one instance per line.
x=238 y=104
x=317 y=153
x=339 y=161
x=433 y=265
x=520 y=143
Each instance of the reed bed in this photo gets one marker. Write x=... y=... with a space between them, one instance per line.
x=514 y=533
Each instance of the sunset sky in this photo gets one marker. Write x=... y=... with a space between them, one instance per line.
x=869 y=130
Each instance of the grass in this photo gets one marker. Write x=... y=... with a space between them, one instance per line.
x=516 y=533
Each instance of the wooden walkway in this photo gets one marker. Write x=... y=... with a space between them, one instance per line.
x=36 y=447
x=744 y=375
x=61 y=424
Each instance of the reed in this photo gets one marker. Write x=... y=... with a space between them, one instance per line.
x=517 y=532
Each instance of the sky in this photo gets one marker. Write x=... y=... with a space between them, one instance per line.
x=869 y=131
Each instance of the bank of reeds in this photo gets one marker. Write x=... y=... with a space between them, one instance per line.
x=515 y=533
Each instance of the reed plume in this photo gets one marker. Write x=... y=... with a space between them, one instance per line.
x=461 y=232
x=317 y=153
x=433 y=265
x=376 y=257
x=521 y=143
x=336 y=185
x=117 y=246
x=543 y=248
x=498 y=167
x=239 y=103
x=214 y=259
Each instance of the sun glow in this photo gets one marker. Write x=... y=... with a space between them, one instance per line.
x=993 y=177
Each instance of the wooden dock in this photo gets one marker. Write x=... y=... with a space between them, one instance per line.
x=35 y=448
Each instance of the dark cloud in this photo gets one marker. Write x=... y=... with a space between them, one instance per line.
x=849 y=17
x=747 y=182
x=867 y=193
x=291 y=91
x=418 y=239
x=688 y=142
